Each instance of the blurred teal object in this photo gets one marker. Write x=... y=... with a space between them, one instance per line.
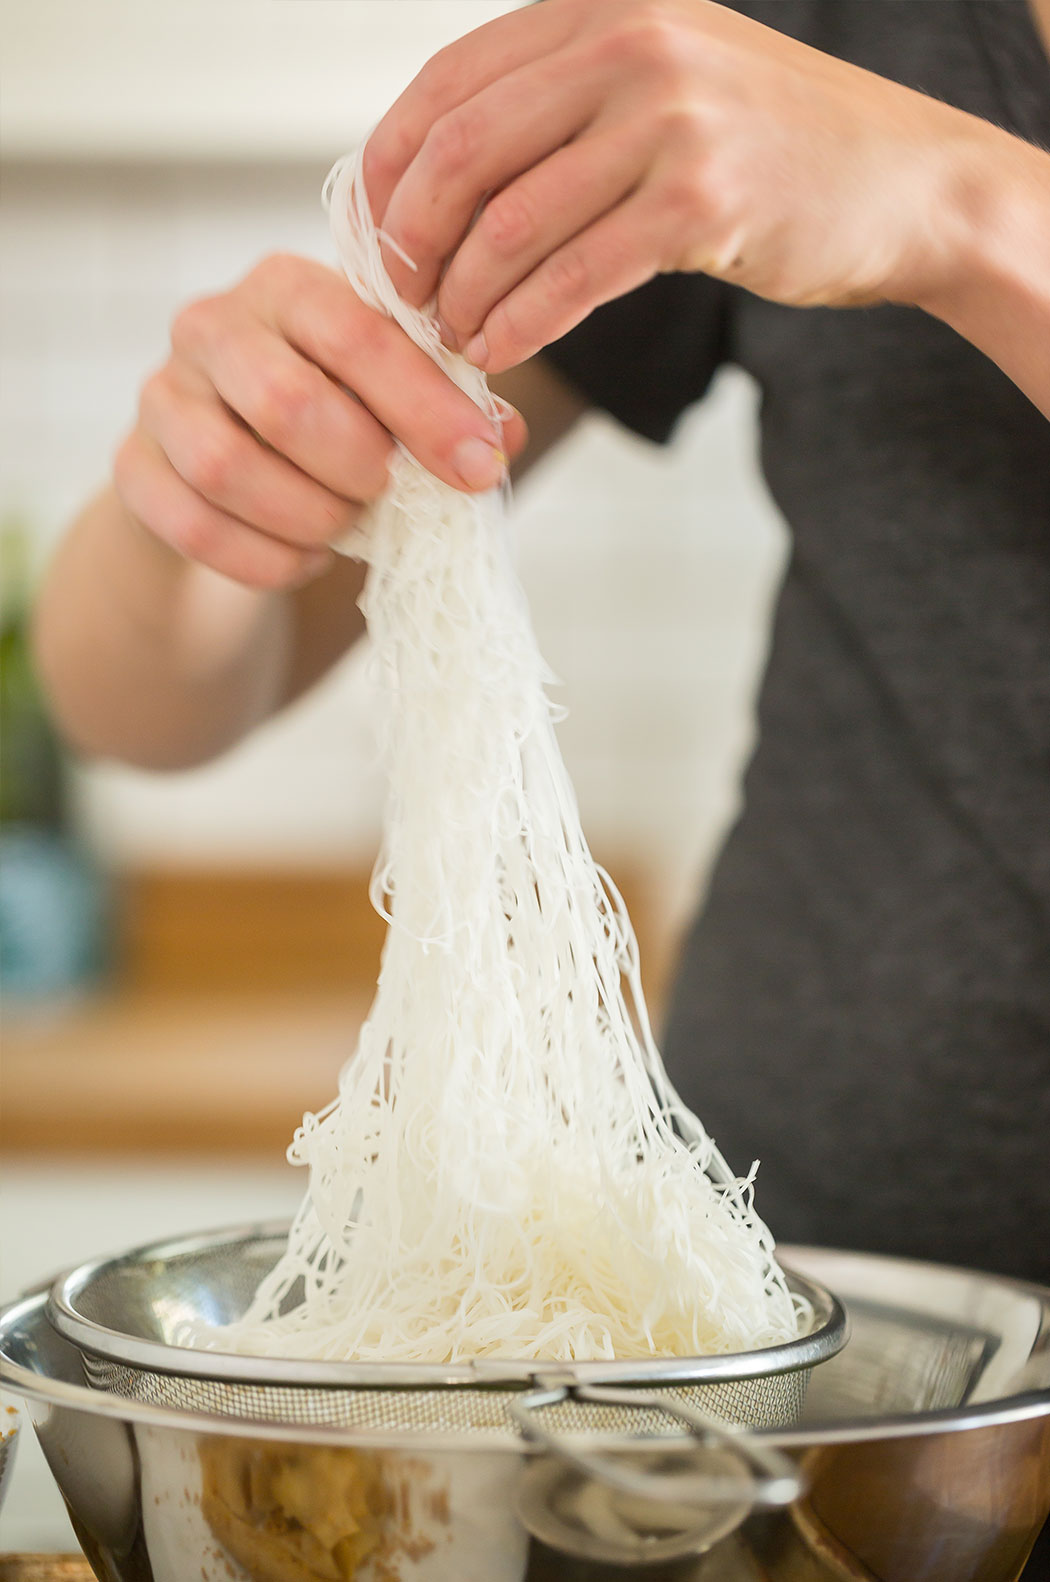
x=53 y=902
x=53 y=914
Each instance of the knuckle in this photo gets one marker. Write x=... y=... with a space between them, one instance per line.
x=435 y=79
x=685 y=195
x=280 y=408
x=212 y=464
x=388 y=151
x=451 y=142
x=703 y=189
x=718 y=197
x=650 y=37
x=508 y=221
x=568 y=274
x=658 y=39
x=683 y=126
x=194 y=325
x=354 y=339
x=378 y=163
x=277 y=271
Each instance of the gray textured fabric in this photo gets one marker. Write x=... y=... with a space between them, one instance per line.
x=864 y=1003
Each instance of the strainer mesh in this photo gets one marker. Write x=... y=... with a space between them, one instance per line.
x=770 y=1402
x=150 y=1296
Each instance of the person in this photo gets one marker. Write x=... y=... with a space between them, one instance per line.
x=609 y=201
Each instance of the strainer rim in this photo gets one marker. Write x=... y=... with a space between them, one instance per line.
x=824 y=1341
x=56 y=1393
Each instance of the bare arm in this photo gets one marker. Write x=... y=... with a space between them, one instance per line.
x=996 y=290
x=163 y=645
x=160 y=661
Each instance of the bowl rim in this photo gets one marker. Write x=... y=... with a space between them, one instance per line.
x=824 y=1341
x=29 y=1311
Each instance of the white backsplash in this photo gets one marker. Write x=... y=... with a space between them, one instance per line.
x=649 y=571
x=257 y=79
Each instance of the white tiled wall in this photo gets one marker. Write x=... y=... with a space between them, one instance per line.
x=245 y=78
x=649 y=572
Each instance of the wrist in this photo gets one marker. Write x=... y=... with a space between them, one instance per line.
x=992 y=241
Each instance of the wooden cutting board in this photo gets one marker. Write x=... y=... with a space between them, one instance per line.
x=45 y=1568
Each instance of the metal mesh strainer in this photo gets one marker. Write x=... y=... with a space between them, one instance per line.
x=127 y=1314
x=755 y=1403
x=670 y=1433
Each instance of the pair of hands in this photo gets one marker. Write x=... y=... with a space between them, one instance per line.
x=603 y=141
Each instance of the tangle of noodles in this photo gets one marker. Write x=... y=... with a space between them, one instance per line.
x=506 y=1170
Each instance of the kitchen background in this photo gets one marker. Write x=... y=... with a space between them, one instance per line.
x=153 y=152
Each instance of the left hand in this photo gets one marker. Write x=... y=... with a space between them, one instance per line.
x=622 y=138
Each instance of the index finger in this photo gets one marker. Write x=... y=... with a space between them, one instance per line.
x=398 y=383
x=455 y=74
x=482 y=146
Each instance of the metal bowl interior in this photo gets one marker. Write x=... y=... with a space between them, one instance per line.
x=926 y=1339
x=137 y=1309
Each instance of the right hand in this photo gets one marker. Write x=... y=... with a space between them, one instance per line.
x=269 y=428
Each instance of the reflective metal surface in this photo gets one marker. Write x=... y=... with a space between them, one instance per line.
x=925 y=1444
x=137 y=1309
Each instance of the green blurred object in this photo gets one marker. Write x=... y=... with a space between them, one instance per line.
x=32 y=779
x=54 y=914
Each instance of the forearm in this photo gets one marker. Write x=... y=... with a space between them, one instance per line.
x=151 y=658
x=996 y=289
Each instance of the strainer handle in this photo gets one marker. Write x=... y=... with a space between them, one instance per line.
x=774 y=1479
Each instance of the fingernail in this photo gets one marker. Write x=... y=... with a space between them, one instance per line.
x=480 y=465
x=477 y=351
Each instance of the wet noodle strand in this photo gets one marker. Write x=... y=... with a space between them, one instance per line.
x=506 y=1170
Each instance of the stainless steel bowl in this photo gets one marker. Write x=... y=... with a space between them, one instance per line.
x=924 y=1446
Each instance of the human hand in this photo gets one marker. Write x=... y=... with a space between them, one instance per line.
x=628 y=137
x=270 y=426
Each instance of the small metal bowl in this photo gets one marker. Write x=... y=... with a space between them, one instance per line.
x=130 y=1315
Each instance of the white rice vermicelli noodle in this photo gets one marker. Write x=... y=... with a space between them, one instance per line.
x=506 y=1170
